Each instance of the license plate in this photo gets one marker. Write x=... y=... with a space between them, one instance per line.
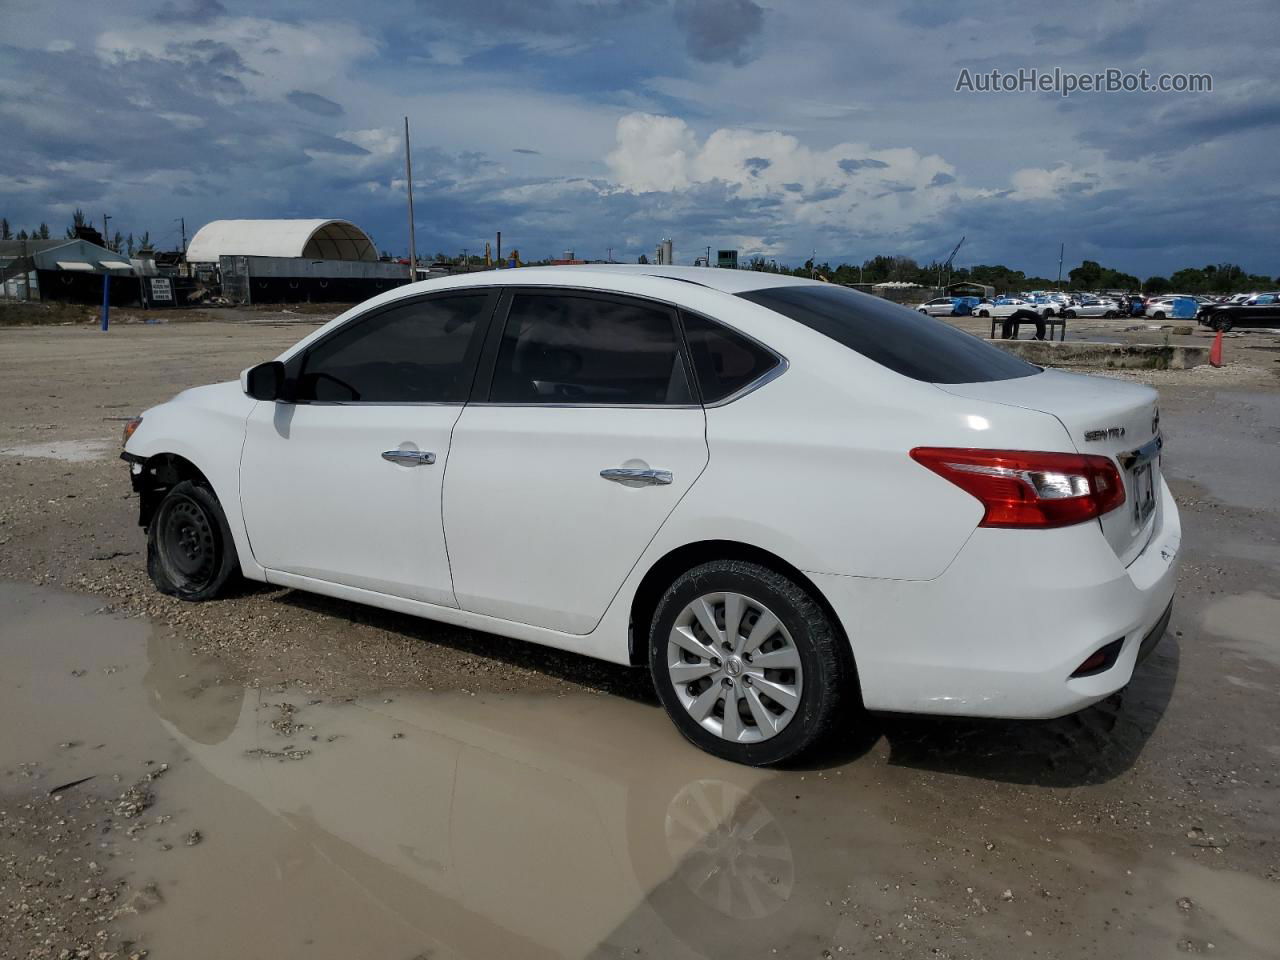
x=1144 y=492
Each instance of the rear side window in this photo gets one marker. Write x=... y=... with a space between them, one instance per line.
x=560 y=348
x=904 y=340
x=723 y=360
x=419 y=352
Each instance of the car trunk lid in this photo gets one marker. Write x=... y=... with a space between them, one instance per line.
x=1102 y=416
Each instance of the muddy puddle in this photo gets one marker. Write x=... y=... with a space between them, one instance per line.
x=411 y=825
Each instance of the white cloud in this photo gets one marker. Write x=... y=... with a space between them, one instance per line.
x=270 y=58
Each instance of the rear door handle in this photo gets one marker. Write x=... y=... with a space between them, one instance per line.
x=637 y=475
x=409 y=458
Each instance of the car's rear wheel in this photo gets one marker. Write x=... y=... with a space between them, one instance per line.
x=748 y=664
x=1222 y=324
x=190 y=553
x=1110 y=315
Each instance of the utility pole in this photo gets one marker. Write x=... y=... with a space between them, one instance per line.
x=106 y=237
x=183 y=225
x=1062 y=248
x=500 y=263
x=408 y=178
x=609 y=254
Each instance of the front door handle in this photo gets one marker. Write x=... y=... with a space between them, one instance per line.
x=409 y=458
x=637 y=475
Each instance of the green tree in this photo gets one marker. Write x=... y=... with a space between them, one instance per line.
x=1086 y=276
x=642 y=259
x=1156 y=285
x=77 y=221
x=6 y=232
x=43 y=233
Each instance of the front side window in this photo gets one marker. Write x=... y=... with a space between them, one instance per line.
x=563 y=348
x=724 y=361
x=418 y=352
x=904 y=340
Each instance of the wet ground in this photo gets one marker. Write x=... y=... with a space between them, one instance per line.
x=278 y=775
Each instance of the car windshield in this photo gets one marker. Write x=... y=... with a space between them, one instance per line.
x=904 y=340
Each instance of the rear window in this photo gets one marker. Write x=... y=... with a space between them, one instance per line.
x=904 y=340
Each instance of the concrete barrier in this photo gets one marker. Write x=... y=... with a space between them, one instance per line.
x=1116 y=356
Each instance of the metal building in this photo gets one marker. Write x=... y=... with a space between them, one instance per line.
x=65 y=270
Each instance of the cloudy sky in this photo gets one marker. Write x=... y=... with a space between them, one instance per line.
x=775 y=127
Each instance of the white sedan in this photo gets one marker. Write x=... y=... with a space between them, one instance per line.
x=938 y=307
x=1006 y=307
x=784 y=497
x=1093 y=308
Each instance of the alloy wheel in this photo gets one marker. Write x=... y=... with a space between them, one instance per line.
x=734 y=667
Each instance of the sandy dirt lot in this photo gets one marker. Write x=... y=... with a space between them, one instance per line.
x=276 y=774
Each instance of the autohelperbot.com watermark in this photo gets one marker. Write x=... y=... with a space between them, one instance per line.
x=1066 y=82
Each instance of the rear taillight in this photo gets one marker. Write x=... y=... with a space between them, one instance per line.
x=1026 y=489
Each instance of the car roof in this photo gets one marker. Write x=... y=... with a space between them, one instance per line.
x=726 y=281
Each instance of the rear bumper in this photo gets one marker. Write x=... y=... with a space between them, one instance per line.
x=1001 y=631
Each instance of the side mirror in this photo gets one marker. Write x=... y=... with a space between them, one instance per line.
x=265 y=381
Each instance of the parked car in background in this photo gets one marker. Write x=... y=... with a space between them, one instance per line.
x=1261 y=310
x=786 y=498
x=938 y=307
x=1003 y=307
x=1092 y=308
x=1166 y=306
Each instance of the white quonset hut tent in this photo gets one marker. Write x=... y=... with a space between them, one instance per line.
x=317 y=239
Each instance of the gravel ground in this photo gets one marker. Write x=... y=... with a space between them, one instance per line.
x=1182 y=766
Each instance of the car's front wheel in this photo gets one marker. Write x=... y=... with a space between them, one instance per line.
x=748 y=664
x=1069 y=314
x=984 y=313
x=1222 y=324
x=190 y=553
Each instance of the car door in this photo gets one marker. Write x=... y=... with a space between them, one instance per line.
x=342 y=483
x=582 y=437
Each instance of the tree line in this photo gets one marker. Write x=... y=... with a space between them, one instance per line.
x=80 y=227
x=1090 y=275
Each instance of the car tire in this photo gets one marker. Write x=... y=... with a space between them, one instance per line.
x=1069 y=314
x=1110 y=315
x=1222 y=324
x=190 y=552
x=925 y=312
x=698 y=678
x=1158 y=315
x=984 y=313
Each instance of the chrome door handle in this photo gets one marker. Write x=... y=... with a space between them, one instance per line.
x=409 y=458
x=637 y=475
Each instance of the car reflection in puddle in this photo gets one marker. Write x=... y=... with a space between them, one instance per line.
x=458 y=825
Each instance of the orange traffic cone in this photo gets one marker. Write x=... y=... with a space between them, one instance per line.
x=1215 y=352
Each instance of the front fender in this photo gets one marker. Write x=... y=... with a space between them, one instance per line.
x=205 y=427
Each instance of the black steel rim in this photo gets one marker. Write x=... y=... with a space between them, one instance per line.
x=188 y=542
